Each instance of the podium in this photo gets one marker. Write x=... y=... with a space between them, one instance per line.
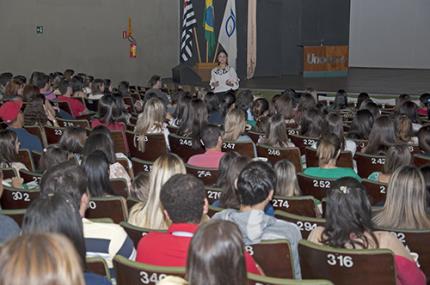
x=325 y=61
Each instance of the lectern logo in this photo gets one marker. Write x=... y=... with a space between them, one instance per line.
x=315 y=59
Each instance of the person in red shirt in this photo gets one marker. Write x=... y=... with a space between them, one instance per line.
x=76 y=105
x=185 y=207
x=109 y=114
x=212 y=141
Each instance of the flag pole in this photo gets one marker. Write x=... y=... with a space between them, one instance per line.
x=216 y=52
x=197 y=44
x=207 y=51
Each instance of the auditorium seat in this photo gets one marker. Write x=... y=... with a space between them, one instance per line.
x=347 y=266
x=367 y=163
x=155 y=145
x=130 y=272
x=421 y=160
x=182 y=146
x=128 y=101
x=274 y=258
x=263 y=280
x=255 y=137
x=135 y=233
x=73 y=123
x=9 y=173
x=38 y=132
x=131 y=202
x=302 y=142
x=30 y=176
x=127 y=164
x=120 y=142
x=25 y=158
x=298 y=205
x=208 y=176
x=305 y=224
x=274 y=155
x=141 y=165
x=314 y=186
x=417 y=241
x=53 y=134
x=98 y=266
x=213 y=194
x=243 y=148
x=119 y=187
x=376 y=191
x=91 y=105
x=112 y=207
x=14 y=198
x=35 y=155
x=344 y=159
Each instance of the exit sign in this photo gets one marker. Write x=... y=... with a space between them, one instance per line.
x=39 y=29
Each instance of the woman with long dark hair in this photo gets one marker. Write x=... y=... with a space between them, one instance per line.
x=195 y=121
x=109 y=114
x=96 y=166
x=361 y=125
x=349 y=225
x=381 y=137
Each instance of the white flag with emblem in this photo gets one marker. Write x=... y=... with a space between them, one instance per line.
x=228 y=32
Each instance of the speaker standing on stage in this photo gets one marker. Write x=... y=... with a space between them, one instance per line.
x=223 y=77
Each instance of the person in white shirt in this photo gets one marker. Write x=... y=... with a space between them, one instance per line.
x=223 y=77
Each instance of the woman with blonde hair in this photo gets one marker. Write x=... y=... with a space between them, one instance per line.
x=35 y=259
x=151 y=121
x=234 y=126
x=286 y=179
x=151 y=215
x=405 y=206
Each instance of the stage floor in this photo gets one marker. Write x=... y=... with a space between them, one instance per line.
x=375 y=81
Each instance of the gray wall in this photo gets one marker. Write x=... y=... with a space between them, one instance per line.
x=390 y=33
x=86 y=35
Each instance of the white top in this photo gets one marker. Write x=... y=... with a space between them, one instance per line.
x=221 y=75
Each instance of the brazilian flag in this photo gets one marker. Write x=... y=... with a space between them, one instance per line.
x=209 y=25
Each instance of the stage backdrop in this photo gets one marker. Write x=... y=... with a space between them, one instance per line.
x=86 y=35
x=390 y=33
x=282 y=26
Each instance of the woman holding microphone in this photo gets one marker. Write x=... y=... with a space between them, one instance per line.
x=223 y=77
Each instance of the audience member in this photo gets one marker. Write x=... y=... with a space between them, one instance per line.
x=96 y=167
x=256 y=185
x=150 y=215
x=328 y=151
x=397 y=156
x=406 y=202
x=10 y=113
x=9 y=229
x=52 y=155
x=212 y=141
x=101 y=239
x=76 y=106
x=155 y=84
x=9 y=147
x=381 y=137
x=349 y=225
x=234 y=127
x=276 y=133
x=424 y=139
x=286 y=179
x=109 y=114
x=361 y=125
x=73 y=141
x=140 y=188
x=224 y=164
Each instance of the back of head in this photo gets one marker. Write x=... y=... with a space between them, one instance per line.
x=312 y=123
x=276 y=132
x=216 y=256
x=405 y=205
x=363 y=96
x=335 y=124
x=348 y=214
x=212 y=102
x=224 y=165
x=99 y=141
x=56 y=213
x=397 y=156
x=382 y=136
x=40 y=259
x=424 y=138
x=329 y=148
x=123 y=88
x=64 y=86
x=284 y=105
x=40 y=80
x=286 y=179
x=244 y=100
x=67 y=177
x=361 y=125
x=229 y=197
x=260 y=107
x=306 y=102
x=5 y=77
x=153 y=80
x=210 y=136
x=8 y=149
x=52 y=155
x=255 y=183
x=410 y=109
x=234 y=125
x=371 y=107
x=183 y=204
x=341 y=99
x=96 y=166
x=73 y=139
x=227 y=102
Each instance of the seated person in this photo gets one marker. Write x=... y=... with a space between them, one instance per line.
x=212 y=141
x=255 y=185
x=10 y=113
x=344 y=230
x=397 y=156
x=155 y=83
x=328 y=151
x=9 y=229
x=184 y=206
x=424 y=140
x=101 y=239
x=76 y=106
